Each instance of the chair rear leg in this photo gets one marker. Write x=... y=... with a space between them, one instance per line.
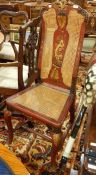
x=7 y=118
x=72 y=112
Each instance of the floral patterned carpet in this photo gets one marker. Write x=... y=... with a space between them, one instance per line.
x=27 y=145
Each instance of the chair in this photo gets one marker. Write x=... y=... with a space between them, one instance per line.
x=8 y=7
x=14 y=76
x=53 y=95
x=10 y=22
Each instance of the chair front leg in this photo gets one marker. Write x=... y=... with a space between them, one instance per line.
x=50 y=167
x=56 y=145
x=7 y=118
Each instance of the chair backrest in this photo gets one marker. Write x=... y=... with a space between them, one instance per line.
x=11 y=17
x=58 y=42
x=8 y=7
x=61 y=43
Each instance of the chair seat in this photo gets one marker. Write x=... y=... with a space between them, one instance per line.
x=9 y=76
x=7 y=51
x=43 y=100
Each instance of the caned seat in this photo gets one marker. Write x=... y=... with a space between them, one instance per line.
x=53 y=96
x=46 y=100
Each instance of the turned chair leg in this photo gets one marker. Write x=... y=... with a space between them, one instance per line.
x=56 y=146
x=7 y=118
x=50 y=167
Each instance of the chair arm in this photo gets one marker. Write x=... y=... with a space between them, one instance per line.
x=31 y=23
x=15 y=48
x=9 y=64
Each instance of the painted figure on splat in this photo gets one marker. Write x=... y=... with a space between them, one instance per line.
x=60 y=42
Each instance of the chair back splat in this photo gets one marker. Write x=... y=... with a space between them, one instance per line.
x=58 y=42
x=58 y=56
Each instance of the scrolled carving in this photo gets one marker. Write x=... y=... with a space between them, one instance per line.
x=31 y=49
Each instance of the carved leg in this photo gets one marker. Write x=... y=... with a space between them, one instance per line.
x=50 y=167
x=7 y=117
x=56 y=145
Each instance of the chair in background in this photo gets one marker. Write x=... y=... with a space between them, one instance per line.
x=14 y=76
x=9 y=7
x=50 y=100
x=10 y=22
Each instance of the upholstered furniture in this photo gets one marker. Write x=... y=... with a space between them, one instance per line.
x=10 y=164
x=10 y=22
x=53 y=97
x=1 y=39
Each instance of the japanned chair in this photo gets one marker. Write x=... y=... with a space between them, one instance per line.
x=53 y=95
x=10 y=22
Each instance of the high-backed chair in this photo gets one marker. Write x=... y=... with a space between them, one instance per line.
x=10 y=22
x=50 y=100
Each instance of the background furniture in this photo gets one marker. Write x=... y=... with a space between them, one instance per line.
x=14 y=75
x=34 y=8
x=50 y=100
x=88 y=158
x=90 y=6
x=1 y=39
x=10 y=22
x=9 y=7
x=79 y=2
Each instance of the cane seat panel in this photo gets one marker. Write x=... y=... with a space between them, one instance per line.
x=44 y=100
